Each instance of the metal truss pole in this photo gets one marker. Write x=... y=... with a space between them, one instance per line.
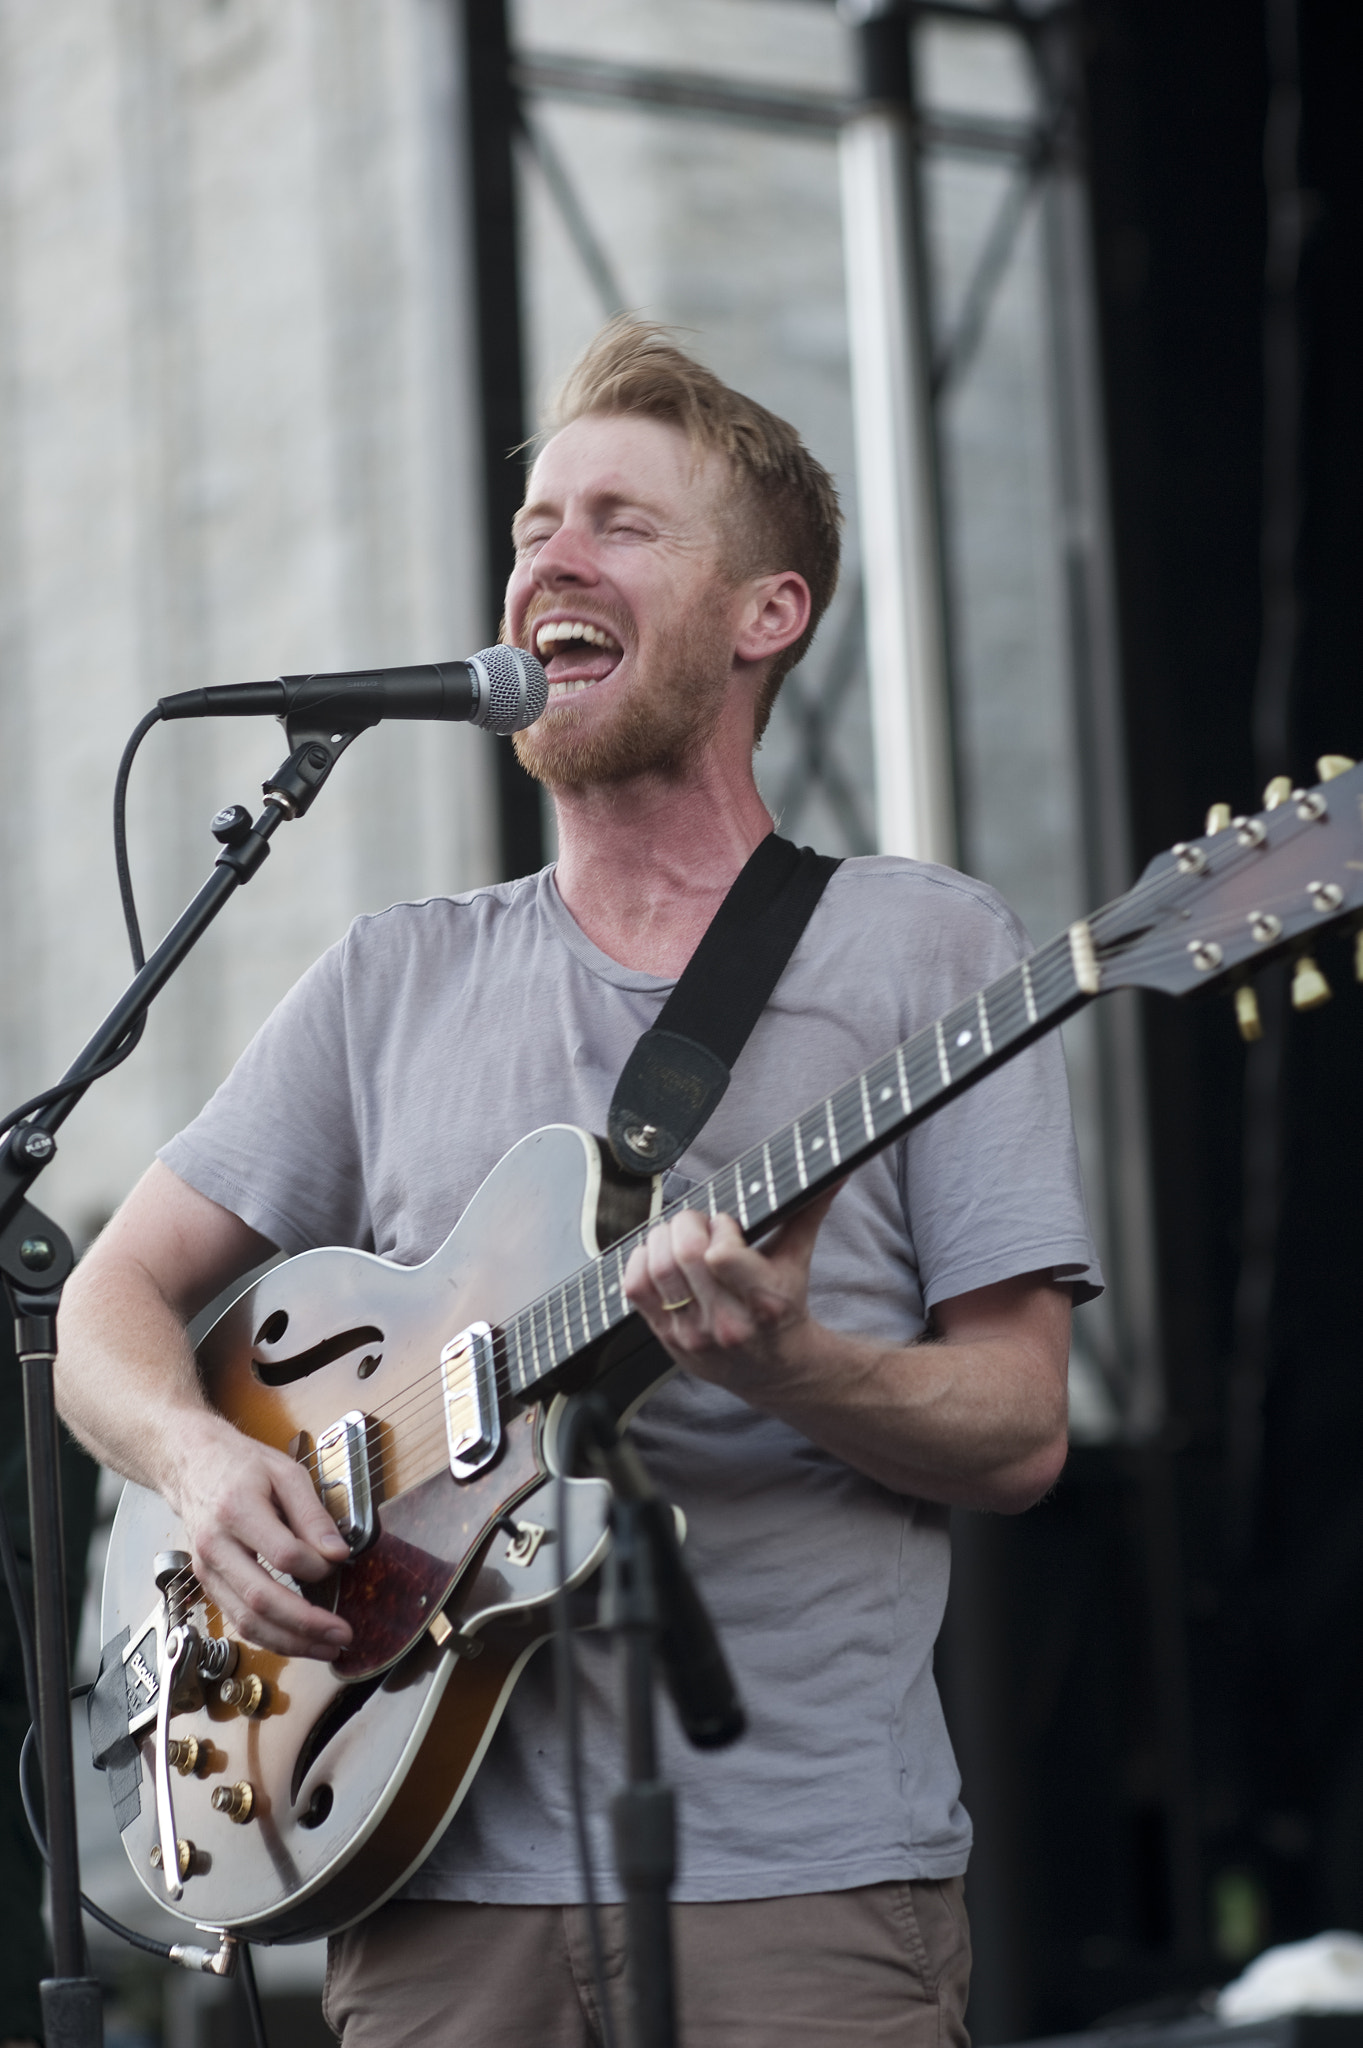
x=1091 y=618
x=891 y=352
x=490 y=120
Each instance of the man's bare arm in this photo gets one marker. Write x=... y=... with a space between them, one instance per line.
x=976 y=1419
x=127 y=1386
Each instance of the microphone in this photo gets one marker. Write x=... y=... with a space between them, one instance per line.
x=502 y=689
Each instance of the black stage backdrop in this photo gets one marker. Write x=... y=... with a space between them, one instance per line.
x=1163 y=1739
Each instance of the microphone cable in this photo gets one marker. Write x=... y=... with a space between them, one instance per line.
x=65 y=1090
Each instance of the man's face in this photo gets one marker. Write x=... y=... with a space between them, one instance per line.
x=620 y=591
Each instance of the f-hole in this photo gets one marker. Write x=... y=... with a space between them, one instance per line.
x=282 y=1372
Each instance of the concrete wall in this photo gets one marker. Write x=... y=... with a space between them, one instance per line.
x=234 y=442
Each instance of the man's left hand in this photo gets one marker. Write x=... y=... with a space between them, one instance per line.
x=973 y=1418
x=721 y=1306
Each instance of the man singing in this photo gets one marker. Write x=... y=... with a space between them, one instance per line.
x=894 y=1350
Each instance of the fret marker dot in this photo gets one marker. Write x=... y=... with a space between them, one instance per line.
x=963 y=1037
x=885 y=1094
x=614 y=1287
x=753 y=1186
x=815 y=1146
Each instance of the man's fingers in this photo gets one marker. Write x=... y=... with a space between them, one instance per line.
x=250 y=1502
x=313 y=1545
x=676 y=1260
x=259 y=1608
x=704 y=1289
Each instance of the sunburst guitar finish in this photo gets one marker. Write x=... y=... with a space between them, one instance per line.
x=356 y=1768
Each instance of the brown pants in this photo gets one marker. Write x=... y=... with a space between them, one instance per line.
x=885 y=1964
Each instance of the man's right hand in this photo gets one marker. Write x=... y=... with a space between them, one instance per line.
x=128 y=1386
x=241 y=1501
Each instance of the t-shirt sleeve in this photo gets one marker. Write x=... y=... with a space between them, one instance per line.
x=277 y=1144
x=991 y=1185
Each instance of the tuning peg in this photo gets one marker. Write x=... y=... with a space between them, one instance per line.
x=1331 y=765
x=1218 y=820
x=1278 y=791
x=1247 y=1014
x=1309 y=987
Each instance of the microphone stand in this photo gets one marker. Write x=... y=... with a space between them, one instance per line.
x=653 y=1610
x=35 y=1261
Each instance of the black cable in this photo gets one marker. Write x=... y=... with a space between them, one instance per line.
x=125 y=880
x=63 y=1090
x=23 y=1623
x=565 y=1673
x=252 y=1993
x=146 y=1942
x=18 y=1600
x=29 y=1752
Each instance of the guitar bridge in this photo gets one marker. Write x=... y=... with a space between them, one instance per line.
x=473 y=1420
x=343 y=1478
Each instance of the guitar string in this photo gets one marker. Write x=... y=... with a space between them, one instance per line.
x=1008 y=1017
x=1007 y=1014
x=781 y=1186
x=554 y=1305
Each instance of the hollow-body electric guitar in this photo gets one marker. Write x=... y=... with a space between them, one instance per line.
x=281 y=1798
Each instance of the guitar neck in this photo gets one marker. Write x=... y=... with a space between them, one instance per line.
x=774 y=1179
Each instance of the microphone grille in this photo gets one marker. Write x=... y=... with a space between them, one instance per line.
x=513 y=688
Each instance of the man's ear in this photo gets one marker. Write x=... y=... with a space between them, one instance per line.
x=774 y=616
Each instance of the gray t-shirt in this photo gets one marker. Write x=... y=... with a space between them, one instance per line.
x=371 y=1106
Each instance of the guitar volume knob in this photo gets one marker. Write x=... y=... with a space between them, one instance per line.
x=247 y=1694
x=236 y=1801
x=186 y=1855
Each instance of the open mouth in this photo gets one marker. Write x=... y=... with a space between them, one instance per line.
x=575 y=654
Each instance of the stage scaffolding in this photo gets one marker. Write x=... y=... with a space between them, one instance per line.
x=927 y=267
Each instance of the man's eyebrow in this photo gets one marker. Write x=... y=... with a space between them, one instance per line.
x=526 y=514
x=609 y=500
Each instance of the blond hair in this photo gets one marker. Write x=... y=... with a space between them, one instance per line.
x=782 y=509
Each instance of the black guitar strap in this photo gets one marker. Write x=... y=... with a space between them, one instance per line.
x=676 y=1075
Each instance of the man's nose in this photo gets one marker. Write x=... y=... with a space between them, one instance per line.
x=566 y=557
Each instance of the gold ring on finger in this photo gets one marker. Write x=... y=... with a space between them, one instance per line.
x=673 y=1308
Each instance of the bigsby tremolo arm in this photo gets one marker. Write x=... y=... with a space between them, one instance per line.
x=183 y=1658
x=176 y=1642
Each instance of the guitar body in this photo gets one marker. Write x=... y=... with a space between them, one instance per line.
x=357 y=1767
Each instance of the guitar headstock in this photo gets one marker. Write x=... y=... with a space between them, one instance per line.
x=1212 y=911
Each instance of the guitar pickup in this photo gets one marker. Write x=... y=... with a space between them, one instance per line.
x=473 y=1419
x=343 y=1478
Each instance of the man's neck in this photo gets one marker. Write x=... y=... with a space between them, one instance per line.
x=644 y=865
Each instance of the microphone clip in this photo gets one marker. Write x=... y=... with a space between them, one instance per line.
x=316 y=750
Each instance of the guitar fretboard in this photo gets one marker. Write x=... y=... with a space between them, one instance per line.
x=772 y=1180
